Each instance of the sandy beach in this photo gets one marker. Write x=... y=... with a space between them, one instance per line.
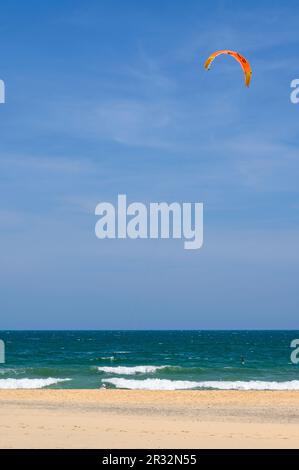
x=148 y=419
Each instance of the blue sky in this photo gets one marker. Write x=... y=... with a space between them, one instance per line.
x=111 y=97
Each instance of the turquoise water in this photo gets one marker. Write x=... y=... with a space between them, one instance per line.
x=149 y=359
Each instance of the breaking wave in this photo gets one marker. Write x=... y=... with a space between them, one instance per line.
x=29 y=383
x=122 y=370
x=163 y=384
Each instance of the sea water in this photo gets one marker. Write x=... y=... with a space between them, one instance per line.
x=149 y=360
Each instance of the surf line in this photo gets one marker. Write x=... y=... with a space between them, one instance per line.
x=158 y=220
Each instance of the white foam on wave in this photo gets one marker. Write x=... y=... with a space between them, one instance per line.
x=122 y=370
x=29 y=383
x=163 y=384
x=10 y=371
x=151 y=384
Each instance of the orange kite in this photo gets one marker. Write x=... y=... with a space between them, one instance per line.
x=242 y=61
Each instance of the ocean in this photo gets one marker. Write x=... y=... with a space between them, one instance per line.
x=149 y=360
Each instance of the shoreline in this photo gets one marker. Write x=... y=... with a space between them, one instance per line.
x=61 y=418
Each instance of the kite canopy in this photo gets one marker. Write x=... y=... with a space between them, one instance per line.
x=242 y=61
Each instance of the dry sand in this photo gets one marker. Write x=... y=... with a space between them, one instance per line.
x=148 y=419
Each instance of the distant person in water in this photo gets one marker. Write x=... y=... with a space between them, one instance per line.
x=242 y=360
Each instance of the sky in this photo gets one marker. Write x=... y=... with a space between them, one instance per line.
x=110 y=97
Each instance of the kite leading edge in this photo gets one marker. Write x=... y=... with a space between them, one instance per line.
x=242 y=61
